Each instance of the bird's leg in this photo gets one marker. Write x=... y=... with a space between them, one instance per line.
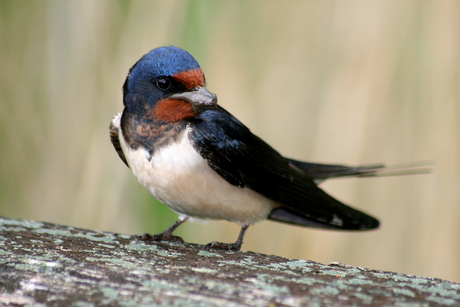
x=167 y=234
x=230 y=246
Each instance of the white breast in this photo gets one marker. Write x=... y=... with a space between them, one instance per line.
x=181 y=179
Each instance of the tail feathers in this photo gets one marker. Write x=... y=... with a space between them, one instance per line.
x=320 y=172
x=355 y=220
x=317 y=209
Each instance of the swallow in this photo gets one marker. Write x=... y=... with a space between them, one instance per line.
x=200 y=161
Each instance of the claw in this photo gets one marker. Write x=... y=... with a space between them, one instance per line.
x=230 y=246
x=167 y=234
x=160 y=237
x=224 y=246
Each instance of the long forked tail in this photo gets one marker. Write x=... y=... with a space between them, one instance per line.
x=320 y=172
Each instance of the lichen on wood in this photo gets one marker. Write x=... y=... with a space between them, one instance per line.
x=44 y=264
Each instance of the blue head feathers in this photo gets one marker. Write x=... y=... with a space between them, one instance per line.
x=165 y=61
x=160 y=62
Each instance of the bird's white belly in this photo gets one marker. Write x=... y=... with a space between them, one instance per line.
x=181 y=179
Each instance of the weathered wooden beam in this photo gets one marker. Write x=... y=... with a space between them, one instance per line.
x=44 y=264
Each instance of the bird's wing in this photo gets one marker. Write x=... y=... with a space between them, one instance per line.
x=114 y=131
x=245 y=160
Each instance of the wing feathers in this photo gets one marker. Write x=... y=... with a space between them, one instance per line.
x=114 y=131
x=245 y=160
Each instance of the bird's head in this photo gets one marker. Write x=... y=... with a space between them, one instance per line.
x=168 y=84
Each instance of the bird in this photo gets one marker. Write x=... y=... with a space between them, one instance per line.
x=203 y=163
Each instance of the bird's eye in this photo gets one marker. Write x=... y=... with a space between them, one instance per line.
x=163 y=83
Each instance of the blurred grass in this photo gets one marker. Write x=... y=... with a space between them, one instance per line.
x=354 y=82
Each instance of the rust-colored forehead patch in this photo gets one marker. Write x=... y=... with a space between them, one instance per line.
x=190 y=78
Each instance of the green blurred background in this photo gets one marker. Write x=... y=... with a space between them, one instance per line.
x=353 y=82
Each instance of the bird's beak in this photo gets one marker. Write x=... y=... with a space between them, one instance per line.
x=200 y=99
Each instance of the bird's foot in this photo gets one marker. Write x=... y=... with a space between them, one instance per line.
x=161 y=237
x=224 y=246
